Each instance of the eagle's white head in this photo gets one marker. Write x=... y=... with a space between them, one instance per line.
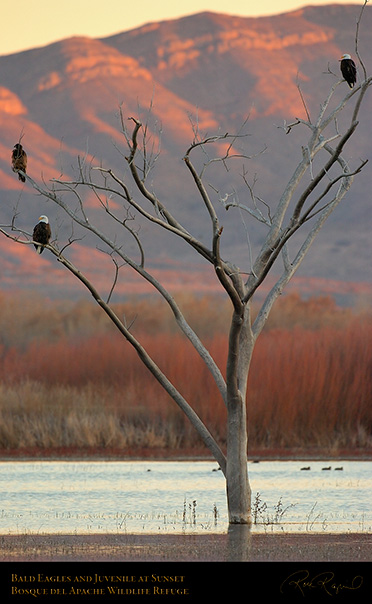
x=346 y=56
x=44 y=219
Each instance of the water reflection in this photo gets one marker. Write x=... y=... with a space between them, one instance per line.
x=155 y=497
x=239 y=542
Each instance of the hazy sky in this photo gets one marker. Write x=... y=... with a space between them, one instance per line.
x=30 y=23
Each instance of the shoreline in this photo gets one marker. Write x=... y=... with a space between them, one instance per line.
x=181 y=547
x=215 y=547
x=160 y=454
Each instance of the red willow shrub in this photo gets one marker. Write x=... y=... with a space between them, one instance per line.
x=312 y=387
x=112 y=367
x=306 y=387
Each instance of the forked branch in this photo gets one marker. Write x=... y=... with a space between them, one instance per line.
x=142 y=353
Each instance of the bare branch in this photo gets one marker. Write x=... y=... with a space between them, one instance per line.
x=148 y=362
x=357 y=38
x=181 y=321
x=204 y=195
x=172 y=226
x=221 y=268
x=303 y=101
x=308 y=215
x=122 y=222
x=222 y=276
x=145 y=357
x=117 y=268
x=316 y=180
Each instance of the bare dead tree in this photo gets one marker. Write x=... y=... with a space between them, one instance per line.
x=301 y=209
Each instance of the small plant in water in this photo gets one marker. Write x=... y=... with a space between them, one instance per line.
x=311 y=521
x=280 y=511
x=191 y=517
x=262 y=516
x=259 y=507
x=215 y=514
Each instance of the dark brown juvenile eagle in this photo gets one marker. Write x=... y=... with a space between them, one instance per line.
x=348 y=70
x=19 y=161
x=42 y=233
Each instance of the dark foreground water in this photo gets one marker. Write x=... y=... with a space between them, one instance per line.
x=171 y=496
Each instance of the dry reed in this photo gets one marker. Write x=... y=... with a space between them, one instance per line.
x=77 y=383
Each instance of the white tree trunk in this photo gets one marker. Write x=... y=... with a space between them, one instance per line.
x=237 y=483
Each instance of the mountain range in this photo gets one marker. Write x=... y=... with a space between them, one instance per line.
x=208 y=73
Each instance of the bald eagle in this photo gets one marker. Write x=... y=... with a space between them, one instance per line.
x=348 y=70
x=19 y=161
x=42 y=233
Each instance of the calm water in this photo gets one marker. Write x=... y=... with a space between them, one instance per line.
x=117 y=497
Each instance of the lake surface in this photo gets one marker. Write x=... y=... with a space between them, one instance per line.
x=171 y=496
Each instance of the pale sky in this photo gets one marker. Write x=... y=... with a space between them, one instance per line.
x=31 y=23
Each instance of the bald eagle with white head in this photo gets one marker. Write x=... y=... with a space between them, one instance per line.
x=42 y=233
x=348 y=70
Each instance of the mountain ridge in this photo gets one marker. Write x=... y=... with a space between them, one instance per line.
x=210 y=70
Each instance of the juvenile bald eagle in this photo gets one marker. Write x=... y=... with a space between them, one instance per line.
x=42 y=233
x=348 y=70
x=19 y=161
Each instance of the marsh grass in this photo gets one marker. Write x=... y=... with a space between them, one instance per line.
x=185 y=520
x=262 y=515
x=188 y=519
x=67 y=379
x=37 y=415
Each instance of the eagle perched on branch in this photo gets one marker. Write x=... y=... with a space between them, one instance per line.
x=19 y=160
x=42 y=233
x=348 y=70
